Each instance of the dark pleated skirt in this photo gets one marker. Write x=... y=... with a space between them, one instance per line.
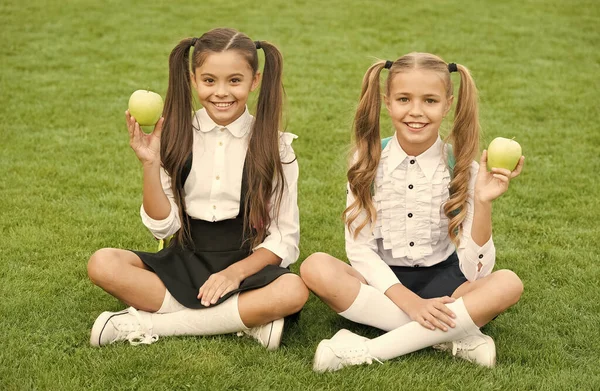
x=217 y=245
x=438 y=280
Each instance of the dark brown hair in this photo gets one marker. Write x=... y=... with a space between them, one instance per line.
x=263 y=161
x=464 y=138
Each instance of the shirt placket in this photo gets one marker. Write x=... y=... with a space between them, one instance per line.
x=411 y=206
x=219 y=166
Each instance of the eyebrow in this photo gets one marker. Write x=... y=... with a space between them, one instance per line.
x=211 y=75
x=426 y=95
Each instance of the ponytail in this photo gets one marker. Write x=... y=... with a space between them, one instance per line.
x=177 y=137
x=465 y=144
x=367 y=150
x=263 y=161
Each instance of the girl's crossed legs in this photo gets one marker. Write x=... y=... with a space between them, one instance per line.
x=123 y=274
x=345 y=290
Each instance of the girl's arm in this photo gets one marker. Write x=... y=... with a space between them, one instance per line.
x=158 y=210
x=280 y=247
x=283 y=235
x=362 y=253
x=476 y=252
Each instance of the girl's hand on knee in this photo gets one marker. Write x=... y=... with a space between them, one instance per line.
x=432 y=313
x=218 y=285
x=491 y=185
x=145 y=146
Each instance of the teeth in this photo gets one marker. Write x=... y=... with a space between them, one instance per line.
x=416 y=125
x=219 y=104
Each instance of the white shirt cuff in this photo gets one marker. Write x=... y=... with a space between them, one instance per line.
x=473 y=254
x=161 y=229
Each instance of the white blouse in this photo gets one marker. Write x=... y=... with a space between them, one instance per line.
x=212 y=190
x=411 y=228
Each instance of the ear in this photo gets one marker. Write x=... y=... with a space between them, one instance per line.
x=193 y=77
x=387 y=103
x=255 y=81
x=448 y=105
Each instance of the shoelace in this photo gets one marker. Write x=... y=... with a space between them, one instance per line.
x=355 y=356
x=460 y=346
x=142 y=335
x=253 y=332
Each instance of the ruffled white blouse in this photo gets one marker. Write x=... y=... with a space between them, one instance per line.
x=212 y=189
x=411 y=228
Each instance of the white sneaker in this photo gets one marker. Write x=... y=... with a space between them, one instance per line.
x=343 y=349
x=269 y=335
x=478 y=349
x=128 y=325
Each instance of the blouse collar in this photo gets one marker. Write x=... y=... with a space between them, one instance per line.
x=237 y=128
x=428 y=161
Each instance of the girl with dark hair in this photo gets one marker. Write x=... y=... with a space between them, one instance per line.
x=418 y=224
x=224 y=184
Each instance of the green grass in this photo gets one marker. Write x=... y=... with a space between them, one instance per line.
x=72 y=185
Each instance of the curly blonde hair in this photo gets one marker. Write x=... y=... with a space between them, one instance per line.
x=464 y=138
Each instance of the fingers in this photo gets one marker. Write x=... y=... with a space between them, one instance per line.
x=158 y=127
x=483 y=159
x=435 y=323
x=425 y=323
x=515 y=173
x=213 y=289
x=207 y=290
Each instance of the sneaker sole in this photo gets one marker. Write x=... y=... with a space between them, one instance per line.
x=275 y=334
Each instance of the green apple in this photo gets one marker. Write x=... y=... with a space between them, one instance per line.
x=503 y=153
x=146 y=107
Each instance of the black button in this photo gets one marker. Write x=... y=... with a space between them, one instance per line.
x=409 y=215
x=412 y=161
x=480 y=256
x=411 y=244
x=416 y=266
x=410 y=186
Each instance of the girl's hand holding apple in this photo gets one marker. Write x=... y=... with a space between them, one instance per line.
x=492 y=184
x=145 y=146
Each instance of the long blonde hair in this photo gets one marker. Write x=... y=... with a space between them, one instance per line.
x=464 y=138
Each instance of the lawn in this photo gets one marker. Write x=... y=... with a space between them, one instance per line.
x=72 y=185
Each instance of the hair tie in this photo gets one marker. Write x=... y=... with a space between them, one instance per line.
x=452 y=67
x=388 y=64
x=258 y=45
x=194 y=40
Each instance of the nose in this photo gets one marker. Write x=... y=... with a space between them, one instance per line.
x=221 y=90
x=415 y=110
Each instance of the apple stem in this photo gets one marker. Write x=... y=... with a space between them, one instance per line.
x=513 y=139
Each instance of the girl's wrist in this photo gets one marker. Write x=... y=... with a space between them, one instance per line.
x=482 y=201
x=151 y=164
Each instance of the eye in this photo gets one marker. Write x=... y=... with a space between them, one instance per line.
x=236 y=80
x=403 y=99
x=430 y=101
x=208 y=80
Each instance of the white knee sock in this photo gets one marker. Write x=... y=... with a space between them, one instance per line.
x=222 y=319
x=412 y=336
x=375 y=309
x=169 y=304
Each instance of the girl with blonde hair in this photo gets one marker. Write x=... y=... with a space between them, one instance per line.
x=418 y=224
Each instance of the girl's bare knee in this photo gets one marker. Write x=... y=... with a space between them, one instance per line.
x=314 y=268
x=292 y=293
x=100 y=265
x=512 y=284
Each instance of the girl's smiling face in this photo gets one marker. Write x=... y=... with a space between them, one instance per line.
x=223 y=83
x=417 y=103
